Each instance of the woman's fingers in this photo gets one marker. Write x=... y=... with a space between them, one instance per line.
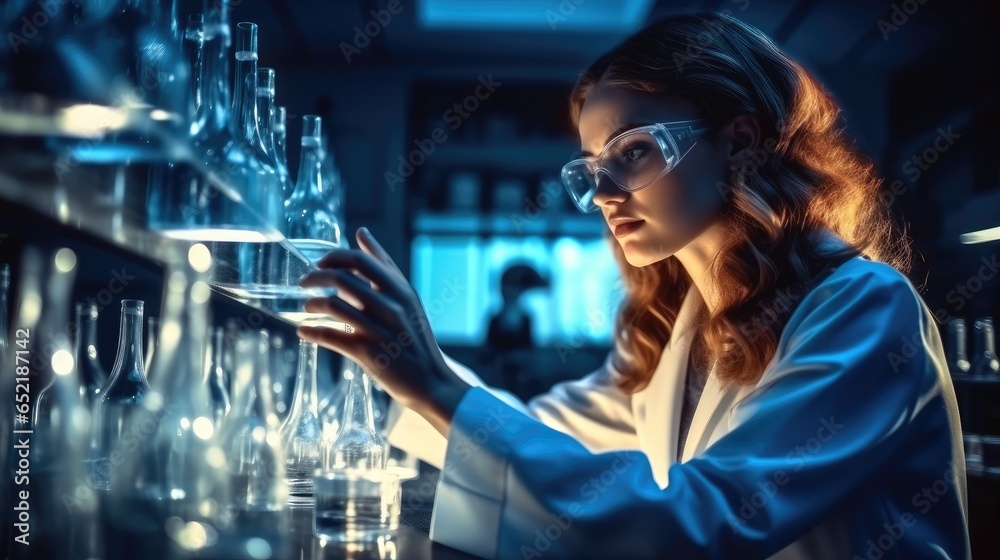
x=353 y=289
x=378 y=273
x=342 y=311
x=333 y=339
x=370 y=245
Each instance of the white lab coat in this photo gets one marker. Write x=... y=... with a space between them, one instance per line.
x=849 y=447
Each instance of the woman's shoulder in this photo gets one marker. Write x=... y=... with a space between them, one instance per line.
x=861 y=291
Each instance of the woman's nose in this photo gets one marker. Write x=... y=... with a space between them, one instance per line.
x=607 y=191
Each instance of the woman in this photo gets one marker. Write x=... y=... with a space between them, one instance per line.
x=777 y=388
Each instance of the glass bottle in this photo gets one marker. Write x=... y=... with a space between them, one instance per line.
x=311 y=225
x=280 y=129
x=215 y=377
x=91 y=372
x=266 y=115
x=123 y=394
x=257 y=460
x=266 y=182
x=358 y=444
x=259 y=264
x=302 y=432
x=984 y=354
x=177 y=468
x=956 y=346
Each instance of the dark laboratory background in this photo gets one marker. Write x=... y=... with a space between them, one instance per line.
x=448 y=122
x=479 y=220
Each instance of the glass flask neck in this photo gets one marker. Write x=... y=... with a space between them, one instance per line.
x=92 y=375
x=215 y=70
x=129 y=369
x=245 y=96
x=305 y=401
x=358 y=410
x=265 y=104
x=310 y=175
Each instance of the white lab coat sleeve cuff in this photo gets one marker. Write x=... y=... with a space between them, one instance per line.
x=411 y=433
x=468 y=505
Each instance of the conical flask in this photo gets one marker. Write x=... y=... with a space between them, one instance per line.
x=358 y=446
x=89 y=369
x=984 y=360
x=123 y=395
x=256 y=458
x=178 y=468
x=302 y=432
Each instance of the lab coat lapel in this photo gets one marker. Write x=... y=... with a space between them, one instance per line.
x=657 y=408
x=711 y=417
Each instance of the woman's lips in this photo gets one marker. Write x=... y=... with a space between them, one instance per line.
x=621 y=230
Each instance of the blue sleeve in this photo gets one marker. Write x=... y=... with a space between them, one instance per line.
x=832 y=411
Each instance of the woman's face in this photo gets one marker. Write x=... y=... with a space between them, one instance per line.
x=671 y=212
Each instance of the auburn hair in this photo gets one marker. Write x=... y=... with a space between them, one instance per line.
x=808 y=177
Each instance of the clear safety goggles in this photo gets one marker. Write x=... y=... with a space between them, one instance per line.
x=632 y=160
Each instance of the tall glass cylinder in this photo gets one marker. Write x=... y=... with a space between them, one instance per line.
x=122 y=397
x=90 y=371
x=302 y=432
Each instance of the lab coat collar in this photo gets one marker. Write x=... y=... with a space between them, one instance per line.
x=657 y=408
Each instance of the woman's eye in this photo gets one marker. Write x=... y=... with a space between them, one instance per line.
x=633 y=153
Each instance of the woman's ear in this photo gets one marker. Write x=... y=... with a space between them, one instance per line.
x=739 y=139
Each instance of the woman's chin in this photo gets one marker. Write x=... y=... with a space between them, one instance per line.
x=639 y=256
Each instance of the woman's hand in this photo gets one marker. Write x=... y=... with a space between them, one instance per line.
x=392 y=339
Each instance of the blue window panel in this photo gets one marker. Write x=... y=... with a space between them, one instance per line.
x=458 y=280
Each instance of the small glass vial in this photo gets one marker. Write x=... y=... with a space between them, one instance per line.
x=955 y=342
x=984 y=360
